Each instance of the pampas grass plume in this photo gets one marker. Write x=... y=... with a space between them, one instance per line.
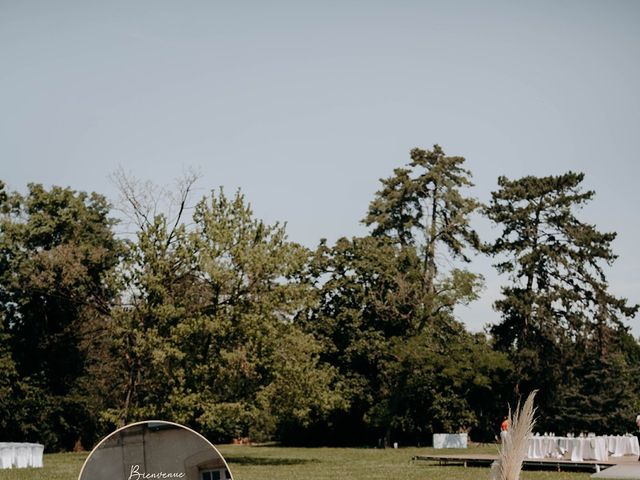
x=513 y=450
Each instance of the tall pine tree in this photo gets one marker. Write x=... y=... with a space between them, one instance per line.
x=422 y=207
x=557 y=309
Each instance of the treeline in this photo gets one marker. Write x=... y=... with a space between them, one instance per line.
x=211 y=318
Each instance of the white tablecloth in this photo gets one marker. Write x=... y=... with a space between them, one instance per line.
x=20 y=455
x=449 y=440
x=583 y=448
x=619 y=445
x=577 y=448
x=589 y=448
x=544 y=447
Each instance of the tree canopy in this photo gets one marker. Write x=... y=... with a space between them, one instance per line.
x=59 y=255
x=205 y=315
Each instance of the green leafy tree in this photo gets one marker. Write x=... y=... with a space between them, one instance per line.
x=8 y=374
x=255 y=359
x=557 y=309
x=56 y=289
x=160 y=295
x=459 y=385
x=402 y=379
x=599 y=392
x=8 y=388
x=364 y=302
x=206 y=332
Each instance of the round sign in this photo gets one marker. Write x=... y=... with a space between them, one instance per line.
x=155 y=450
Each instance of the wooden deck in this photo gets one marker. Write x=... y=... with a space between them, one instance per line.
x=620 y=472
x=485 y=460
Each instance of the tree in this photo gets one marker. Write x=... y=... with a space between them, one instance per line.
x=160 y=294
x=422 y=206
x=457 y=385
x=599 y=392
x=56 y=289
x=202 y=336
x=384 y=295
x=256 y=286
x=422 y=211
x=402 y=380
x=364 y=302
x=8 y=383
x=558 y=303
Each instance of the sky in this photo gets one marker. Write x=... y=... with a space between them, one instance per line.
x=305 y=106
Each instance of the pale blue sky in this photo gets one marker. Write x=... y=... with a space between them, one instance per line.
x=305 y=105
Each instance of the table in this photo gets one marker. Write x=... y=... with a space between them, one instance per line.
x=544 y=447
x=449 y=440
x=586 y=448
x=583 y=448
x=20 y=455
x=620 y=445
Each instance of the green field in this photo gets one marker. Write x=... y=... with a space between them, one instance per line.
x=279 y=463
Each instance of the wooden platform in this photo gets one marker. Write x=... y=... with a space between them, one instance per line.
x=485 y=460
x=621 y=471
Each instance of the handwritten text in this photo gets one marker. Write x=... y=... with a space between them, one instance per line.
x=136 y=474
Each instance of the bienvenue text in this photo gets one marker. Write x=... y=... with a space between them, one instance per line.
x=136 y=474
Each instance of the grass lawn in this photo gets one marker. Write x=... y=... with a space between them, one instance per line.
x=279 y=463
x=57 y=466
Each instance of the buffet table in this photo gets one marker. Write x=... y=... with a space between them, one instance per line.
x=582 y=448
x=20 y=455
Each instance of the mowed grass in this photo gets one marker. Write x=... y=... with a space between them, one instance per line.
x=280 y=463
x=57 y=466
x=259 y=463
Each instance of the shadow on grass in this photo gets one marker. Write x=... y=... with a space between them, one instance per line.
x=266 y=461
